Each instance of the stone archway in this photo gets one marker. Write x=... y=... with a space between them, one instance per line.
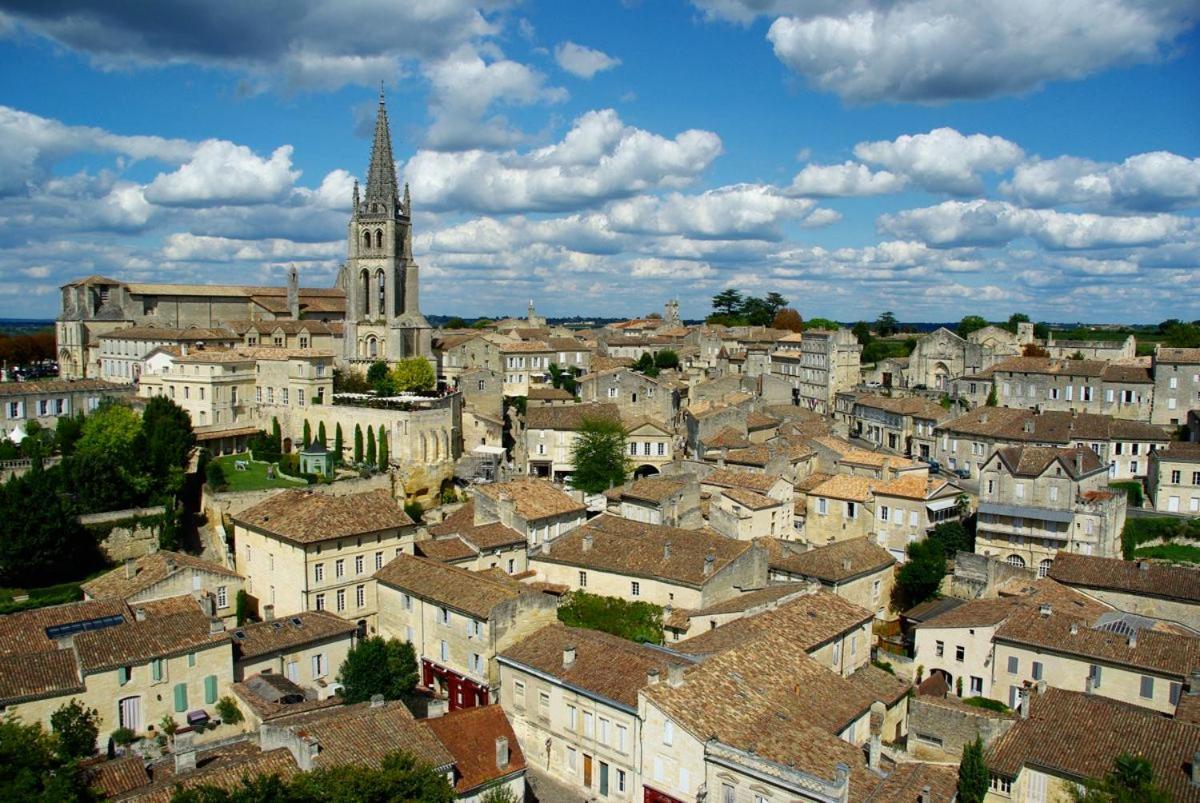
x=645 y=470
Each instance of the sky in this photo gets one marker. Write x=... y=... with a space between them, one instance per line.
x=934 y=158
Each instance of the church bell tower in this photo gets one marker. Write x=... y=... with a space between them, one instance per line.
x=380 y=278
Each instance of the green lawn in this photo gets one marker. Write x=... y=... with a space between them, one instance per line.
x=1176 y=553
x=254 y=478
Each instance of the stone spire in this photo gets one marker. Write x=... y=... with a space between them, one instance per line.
x=381 y=176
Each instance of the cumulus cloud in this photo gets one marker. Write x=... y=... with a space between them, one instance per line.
x=982 y=222
x=942 y=160
x=943 y=50
x=186 y=247
x=222 y=172
x=601 y=158
x=466 y=84
x=654 y=268
x=1154 y=181
x=303 y=43
x=844 y=180
x=743 y=211
x=583 y=62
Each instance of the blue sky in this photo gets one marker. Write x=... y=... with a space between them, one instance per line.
x=930 y=157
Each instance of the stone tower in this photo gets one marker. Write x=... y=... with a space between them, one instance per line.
x=380 y=278
x=671 y=313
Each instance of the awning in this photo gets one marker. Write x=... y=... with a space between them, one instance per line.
x=492 y=450
x=941 y=504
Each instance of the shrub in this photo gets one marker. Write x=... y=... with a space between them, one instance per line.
x=77 y=727
x=886 y=666
x=988 y=703
x=1132 y=488
x=414 y=510
x=228 y=711
x=214 y=475
x=123 y=736
x=1143 y=529
x=636 y=621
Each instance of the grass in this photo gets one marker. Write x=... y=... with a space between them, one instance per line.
x=254 y=478
x=1176 y=553
x=988 y=703
x=57 y=594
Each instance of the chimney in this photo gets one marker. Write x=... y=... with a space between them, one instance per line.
x=1028 y=427
x=1074 y=628
x=504 y=508
x=1044 y=609
x=873 y=750
x=377 y=701
x=171 y=565
x=1193 y=686
x=652 y=677
x=1041 y=687
x=436 y=708
x=675 y=675
x=1023 y=693
x=293 y=293
x=185 y=752
x=709 y=560
x=926 y=795
x=846 y=563
x=1133 y=640
x=1196 y=768
x=215 y=626
x=130 y=568
x=1088 y=684
x=568 y=656
x=667 y=551
x=139 y=614
x=983 y=418
x=501 y=753
x=1078 y=463
x=1143 y=565
x=268 y=612
x=310 y=748
x=587 y=542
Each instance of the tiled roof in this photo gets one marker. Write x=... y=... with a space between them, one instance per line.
x=309 y=627
x=833 y=563
x=1032 y=461
x=734 y=478
x=808 y=621
x=1127 y=374
x=569 y=417
x=167 y=333
x=360 y=734
x=1182 y=356
x=525 y=347
x=532 y=498
x=1134 y=577
x=25 y=632
x=286 y=325
x=61 y=386
x=908 y=486
x=116 y=777
x=227 y=774
x=148 y=570
x=48 y=673
x=845 y=486
x=757 y=455
x=1050 y=426
x=907 y=781
x=605 y=665
x=613 y=544
x=445 y=549
x=549 y=394
x=1179 y=452
x=137 y=642
x=1048 y=365
x=473 y=537
x=1168 y=653
x=1111 y=728
x=915 y=406
x=987 y=612
x=756 y=421
x=471 y=592
x=812 y=481
x=749 y=600
x=470 y=735
x=879 y=684
x=305 y=516
x=728 y=438
x=653 y=489
x=750 y=499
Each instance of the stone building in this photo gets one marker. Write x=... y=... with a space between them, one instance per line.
x=46 y=401
x=1174 y=480
x=829 y=362
x=1176 y=385
x=122 y=351
x=1145 y=588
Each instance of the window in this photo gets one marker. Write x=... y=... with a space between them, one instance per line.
x=477 y=663
x=339 y=567
x=572 y=716
x=1013 y=665
x=632 y=449
x=544 y=705
x=851 y=510
x=583 y=579
x=1147 y=690
x=940 y=648
x=1037 y=670
x=341 y=600
x=821 y=505
x=635 y=588
x=222 y=597
x=603 y=730
x=662 y=451
x=444 y=616
x=668 y=733
x=837 y=653
x=320 y=665
x=589 y=724
x=320 y=602
x=519 y=694
x=960 y=653
x=360 y=596
x=407 y=602
x=156 y=669
x=1094 y=676
x=358 y=564
x=620 y=780
x=319 y=572
x=685 y=779
x=727 y=795
x=181 y=700
x=883 y=513
x=378 y=561
x=1173 y=693
x=445 y=651
x=976 y=686
x=622 y=732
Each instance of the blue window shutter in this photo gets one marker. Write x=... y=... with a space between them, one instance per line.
x=210 y=689
x=181 y=697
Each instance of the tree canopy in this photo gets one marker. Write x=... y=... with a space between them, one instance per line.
x=76 y=727
x=32 y=766
x=973 y=780
x=919 y=578
x=375 y=666
x=414 y=373
x=788 y=319
x=635 y=621
x=1131 y=780
x=732 y=308
x=822 y=323
x=969 y=324
x=599 y=456
x=886 y=324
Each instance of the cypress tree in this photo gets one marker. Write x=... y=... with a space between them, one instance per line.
x=383 y=449
x=358 y=453
x=337 y=444
x=370 y=445
x=276 y=437
x=973 y=778
x=321 y=434
x=307 y=433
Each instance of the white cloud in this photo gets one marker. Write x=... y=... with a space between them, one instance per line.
x=941 y=50
x=583 y=62
x=942 y=160
x=1146 y=182
x=222 y=172
x=953 y=290
x=844 y=180
x=186 y=247
x=654 y=268
x=599 y=159
x=751 y=211
x=983 y=222
x=465 y=85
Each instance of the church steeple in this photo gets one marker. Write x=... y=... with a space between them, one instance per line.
x=381 y=175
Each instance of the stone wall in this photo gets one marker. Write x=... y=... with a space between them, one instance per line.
x=976 y=576
x=126 y=534
x=938 y=728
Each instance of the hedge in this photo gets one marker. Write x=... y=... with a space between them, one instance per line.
x=1132 y=488
x=988 y=703
x=1141 y=530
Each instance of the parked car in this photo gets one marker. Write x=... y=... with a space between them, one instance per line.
x=962 y=473
x=934 y=466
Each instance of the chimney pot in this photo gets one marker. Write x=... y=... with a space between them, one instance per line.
x=926 y=794
x=1074 y=628
x=873 y=750
x=846 y=563
x=652 y=677
x=667 y=551
x=587 y=542
x=268 y=612
x=675 y=675
x=568 y=656
x=130 y=568
x=1133 y=640
x=1044 y=609
x=501 y=753
x=377 y=701
x=139 y=614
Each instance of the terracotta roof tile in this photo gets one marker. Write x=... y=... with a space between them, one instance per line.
x=735 y=478
x=360 y=734
x=833 y=563
x=470 y=735
x=149 y=570
x=304 y=516
x=569 y=417
x=750 y=499
x=808 y=621
x=25 y=632
x=137 y=642
x=116 y=777
x=49 y=673
x=653 y=489
x=473 y=593
x=289 y=633
x=1134 y=577
x=446 y=549
x=532 y=498
x=845 y=486
x=1032 y=461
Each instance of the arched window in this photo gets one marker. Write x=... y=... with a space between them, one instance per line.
x=372 y=347
x=1016 y=561
x=1044 y=567
x=379 y=238
x=365 y=292
x=382 y=282
x=366 y=239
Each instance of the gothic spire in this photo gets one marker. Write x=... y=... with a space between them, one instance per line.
x=381 y=176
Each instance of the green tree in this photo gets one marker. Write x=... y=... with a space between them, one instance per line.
x=370 y=445
x=1131 y=780
x=358 y=444
x=599 y=455
x=973 y=780
x=455 y=323
x=1041 y=331
x=499 y=794
x=953 y=538
x=276 y=437
x=337 y=444
x=228 y=711
x=166 y=442
x=919 y=578
x=666 y=359
x=307 y=434
x=67 y=433
x=375 y=666
x=970 y=324
x=644 y=363
x=822 y=323
x=1014 y=319
x=482 y=323
x=214 y=475
x=321 y=439
x=414 y=510
x=377 y=372
x=727 y=302
x=886 y=324
x=862 y=332
x=635 y=621
x=383 y=449
x=39 y=525
x=774 y=303
x=111 y=430
x=32 y=768
x=241 y=605
x=77 y=728
x=991 y=401
x=415 y=373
